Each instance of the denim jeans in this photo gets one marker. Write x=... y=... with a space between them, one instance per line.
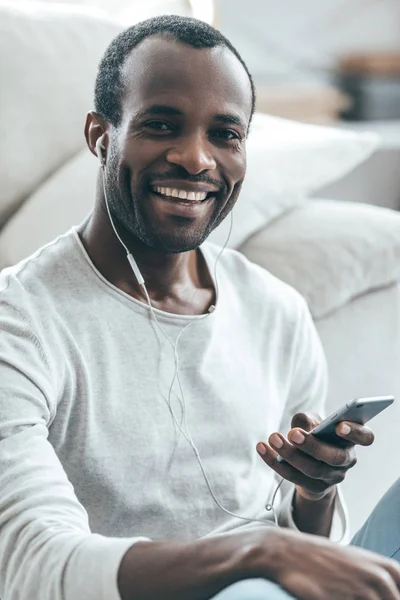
x=380 y=533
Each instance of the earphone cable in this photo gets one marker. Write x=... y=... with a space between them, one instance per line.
x=186 y=434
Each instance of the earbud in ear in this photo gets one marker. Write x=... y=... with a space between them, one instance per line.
x=100 y=150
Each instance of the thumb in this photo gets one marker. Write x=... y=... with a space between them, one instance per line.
x=306 y=421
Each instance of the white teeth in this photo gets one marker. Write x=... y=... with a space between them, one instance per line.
x=181 y=194
x=200 y=196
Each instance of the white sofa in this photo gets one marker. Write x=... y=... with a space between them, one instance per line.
x=344 y=258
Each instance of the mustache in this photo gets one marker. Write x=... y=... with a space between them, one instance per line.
x=184 y=176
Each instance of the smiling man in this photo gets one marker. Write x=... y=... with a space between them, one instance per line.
x=175 y=147
x=138 y=384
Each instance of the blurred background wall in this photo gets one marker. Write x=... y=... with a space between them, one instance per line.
x=306 y=47
x=282 y=40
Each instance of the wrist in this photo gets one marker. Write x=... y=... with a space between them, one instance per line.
x=263 y=556
x=328 y=496
x=313 y=514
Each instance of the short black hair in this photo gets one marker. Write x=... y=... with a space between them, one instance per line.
x=109 y=86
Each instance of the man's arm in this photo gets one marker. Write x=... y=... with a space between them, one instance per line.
x=196 y=570
x=307 y=390
x=47 y=551
x=314 y=516
x=313 y=466
x=306 y=566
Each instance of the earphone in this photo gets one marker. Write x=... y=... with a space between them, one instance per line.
x=100 y=150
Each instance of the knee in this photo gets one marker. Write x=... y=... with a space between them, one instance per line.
x=381 y=531
x=396 y=555
x=253 y=589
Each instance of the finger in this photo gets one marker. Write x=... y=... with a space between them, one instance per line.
x=385 y=587
x=309 y=466
x=355 y=433
x=306 y=421
x=394 y=569
x=288 y=472
x=327 y=453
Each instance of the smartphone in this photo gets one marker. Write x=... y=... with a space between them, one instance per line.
x=360 y=410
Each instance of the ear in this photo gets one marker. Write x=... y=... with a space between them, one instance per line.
x=95 y=128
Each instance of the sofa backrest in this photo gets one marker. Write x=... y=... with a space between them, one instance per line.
x=50 y=53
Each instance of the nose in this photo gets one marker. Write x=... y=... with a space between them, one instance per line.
x=193 y=154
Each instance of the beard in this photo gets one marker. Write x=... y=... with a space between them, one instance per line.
x=129 y=209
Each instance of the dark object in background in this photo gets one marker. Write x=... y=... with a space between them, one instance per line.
x=373 y=83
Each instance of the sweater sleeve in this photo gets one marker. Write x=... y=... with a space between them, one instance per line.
x=307 y=393
x=47 y=551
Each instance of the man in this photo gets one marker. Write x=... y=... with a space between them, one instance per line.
x=132 y=454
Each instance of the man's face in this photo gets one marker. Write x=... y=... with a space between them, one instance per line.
x=185 y=113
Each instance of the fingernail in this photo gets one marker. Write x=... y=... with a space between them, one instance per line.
x=345 y=429
x=275 y=441
x=261 y=449
x=297 y=437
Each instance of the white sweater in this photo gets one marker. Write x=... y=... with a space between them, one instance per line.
x=91 y=460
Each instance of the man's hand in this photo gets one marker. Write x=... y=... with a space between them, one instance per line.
x=315 y=467
x=312 y=568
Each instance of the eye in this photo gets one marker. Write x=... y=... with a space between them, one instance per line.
x=158 y=125
x=227 y=135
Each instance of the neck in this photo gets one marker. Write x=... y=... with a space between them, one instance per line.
x=172 y=280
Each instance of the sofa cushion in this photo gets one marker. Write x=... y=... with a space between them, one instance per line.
x=330 y=251
x=50 y=54
x=62 y=201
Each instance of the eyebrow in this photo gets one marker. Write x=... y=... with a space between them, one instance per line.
x=161 y=109
x=231 y=120
x=158 y=109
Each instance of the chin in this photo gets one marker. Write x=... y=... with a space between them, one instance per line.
x=178 y=243
x=176 y=246
x=172 y=236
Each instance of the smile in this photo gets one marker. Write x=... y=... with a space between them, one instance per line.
x=180 y=194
